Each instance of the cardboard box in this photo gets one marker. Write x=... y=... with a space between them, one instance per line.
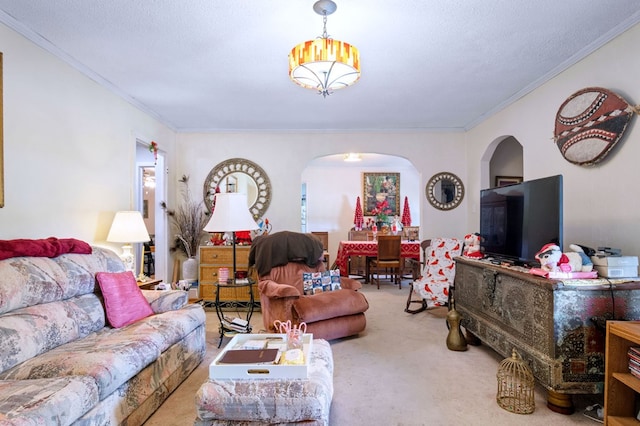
x=615 y=261
x=193 y=290
x=617 y=271
x=261 y=371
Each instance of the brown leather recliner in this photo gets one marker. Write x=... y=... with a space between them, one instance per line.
x=328 y=315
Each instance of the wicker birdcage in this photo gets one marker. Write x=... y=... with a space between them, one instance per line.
x=515 y=385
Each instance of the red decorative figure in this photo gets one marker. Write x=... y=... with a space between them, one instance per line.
x=154 y=148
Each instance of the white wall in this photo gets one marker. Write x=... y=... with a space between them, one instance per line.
x=601 y=203
x=69 y=147
x=285 y=156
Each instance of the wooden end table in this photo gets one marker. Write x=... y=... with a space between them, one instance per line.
x=148 y=284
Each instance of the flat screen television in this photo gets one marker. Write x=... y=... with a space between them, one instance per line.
x=517 y=220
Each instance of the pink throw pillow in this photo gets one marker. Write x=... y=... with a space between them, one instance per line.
x=123 y=300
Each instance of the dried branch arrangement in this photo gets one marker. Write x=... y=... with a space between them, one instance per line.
x=187 y=221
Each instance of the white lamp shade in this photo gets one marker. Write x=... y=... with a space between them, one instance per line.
x=231 y=213
x=128 y=227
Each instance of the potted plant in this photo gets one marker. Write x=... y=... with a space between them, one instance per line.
x=381 y=212
x=187 y=222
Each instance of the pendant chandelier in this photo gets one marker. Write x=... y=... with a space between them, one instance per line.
x=324 y=64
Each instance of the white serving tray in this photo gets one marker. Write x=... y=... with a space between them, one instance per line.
x=261 y=371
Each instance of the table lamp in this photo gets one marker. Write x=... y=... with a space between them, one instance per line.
x=231 y=214
x=128 y=227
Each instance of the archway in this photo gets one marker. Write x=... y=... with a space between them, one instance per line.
x=333 y=185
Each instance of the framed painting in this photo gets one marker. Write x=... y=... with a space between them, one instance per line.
x=411 y=233
x=507 y=180
x=377 y=187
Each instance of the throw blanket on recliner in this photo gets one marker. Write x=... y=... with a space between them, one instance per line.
x=50 y=247
x=268 y=251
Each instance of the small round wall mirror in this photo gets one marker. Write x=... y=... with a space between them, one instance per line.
x=240 y=175
x=445 y=191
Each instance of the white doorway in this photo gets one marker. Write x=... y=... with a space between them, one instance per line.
x=150 y=190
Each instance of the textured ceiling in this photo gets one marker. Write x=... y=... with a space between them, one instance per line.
x=222 y=65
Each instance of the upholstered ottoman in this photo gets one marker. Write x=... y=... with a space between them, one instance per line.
x=271 y=401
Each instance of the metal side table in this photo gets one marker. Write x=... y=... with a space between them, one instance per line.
x=231 y=326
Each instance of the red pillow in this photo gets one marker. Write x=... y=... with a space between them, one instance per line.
x=123 y=300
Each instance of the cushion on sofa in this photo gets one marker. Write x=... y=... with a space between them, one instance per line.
x=169 y=327
x=59 y=400
x=111 y=357
x=165 y=301
x=272 y=289
x=123 y=299
x=350 y=283
x=328 y=305
x=28 y=281
x=137 y=399
x=27 y=332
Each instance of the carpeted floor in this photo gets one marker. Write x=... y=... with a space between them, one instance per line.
x=398 y=372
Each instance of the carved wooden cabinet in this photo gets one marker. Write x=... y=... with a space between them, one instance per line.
x=553 y=324
x=213 y=258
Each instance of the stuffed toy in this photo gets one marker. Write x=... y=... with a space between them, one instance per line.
x=582 y=260
x=552 y=259
x=472 y=246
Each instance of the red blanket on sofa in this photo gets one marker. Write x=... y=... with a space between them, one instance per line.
x=49 y=247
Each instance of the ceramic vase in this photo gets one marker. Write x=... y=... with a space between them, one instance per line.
x=190 y=269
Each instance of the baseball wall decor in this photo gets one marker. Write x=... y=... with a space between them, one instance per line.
x=590 y=123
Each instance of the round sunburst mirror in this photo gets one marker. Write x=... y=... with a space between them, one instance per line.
x=240 y=175
x=444 y=191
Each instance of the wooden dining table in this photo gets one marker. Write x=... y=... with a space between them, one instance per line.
x=346 y=249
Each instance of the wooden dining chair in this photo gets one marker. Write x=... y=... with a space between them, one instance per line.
x=388 y=257
x=359 y=265
x=324 y=238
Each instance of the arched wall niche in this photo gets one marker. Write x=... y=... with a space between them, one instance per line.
x=503 y=157
x=507 y=160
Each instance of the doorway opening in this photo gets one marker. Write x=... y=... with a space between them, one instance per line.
x=150 y=188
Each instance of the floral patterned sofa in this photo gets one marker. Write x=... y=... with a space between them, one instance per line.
x=62 y=363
